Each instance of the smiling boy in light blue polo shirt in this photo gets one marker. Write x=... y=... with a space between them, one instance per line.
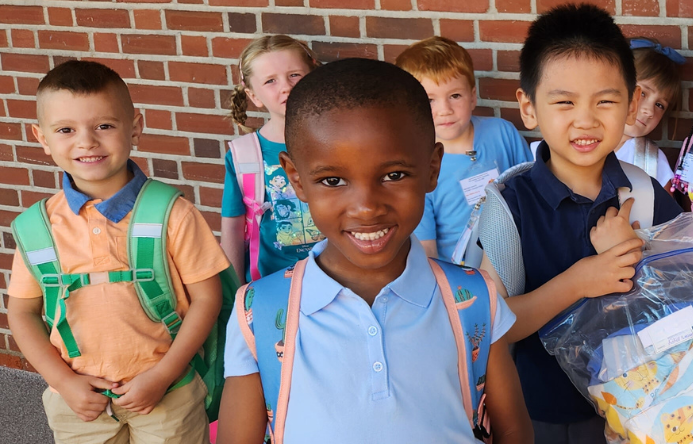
x=375 y=357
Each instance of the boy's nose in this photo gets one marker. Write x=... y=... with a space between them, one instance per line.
x=87 y=140
x=366 y=204
x=443 y=108
x=585 y=119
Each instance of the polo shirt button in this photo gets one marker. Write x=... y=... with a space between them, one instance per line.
x=372 y=330
x=383 y=299
x=378 y=366
x=96 y=230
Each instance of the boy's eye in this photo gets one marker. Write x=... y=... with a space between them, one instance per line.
x=105 y=126
x=660 y=106
x=395 y=175
x=607 y=102
x=333 y=182
x=64 y=130
x=456 y=96
x=269 y=81
x=564 y=102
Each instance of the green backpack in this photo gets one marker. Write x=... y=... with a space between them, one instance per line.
x=148 y=272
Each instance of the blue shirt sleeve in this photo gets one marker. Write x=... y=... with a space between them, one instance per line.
x=665 y=207
x=516 y=144
x=503 y=319
x=427 y=227
x=232 y=200
x=238 y=359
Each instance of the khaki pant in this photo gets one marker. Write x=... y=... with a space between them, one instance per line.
x=179 y=418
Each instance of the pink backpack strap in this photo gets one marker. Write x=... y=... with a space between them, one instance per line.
x=247 y=160
x=492 y=294
x=463 y=372
x=471 y=314
x=292 y=316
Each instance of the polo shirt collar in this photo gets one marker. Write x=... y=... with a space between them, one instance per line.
x=415 y=285
x=114 y=208
x=554 y=191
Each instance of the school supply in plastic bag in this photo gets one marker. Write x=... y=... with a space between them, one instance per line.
x=630 y=354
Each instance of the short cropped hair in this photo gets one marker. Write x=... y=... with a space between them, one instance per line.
x=83 y=77
x=574 y=31
x=356 y=83
x=438 y=58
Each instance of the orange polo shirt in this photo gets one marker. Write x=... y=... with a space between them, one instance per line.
x=116 y=338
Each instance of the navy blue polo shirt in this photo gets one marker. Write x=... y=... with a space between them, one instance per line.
x=554 y=226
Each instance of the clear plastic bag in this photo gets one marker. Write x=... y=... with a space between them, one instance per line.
x=624 y=361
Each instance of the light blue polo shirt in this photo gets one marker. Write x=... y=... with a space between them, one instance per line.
x=380 y=374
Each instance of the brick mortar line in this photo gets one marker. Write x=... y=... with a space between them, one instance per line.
x=313 y=11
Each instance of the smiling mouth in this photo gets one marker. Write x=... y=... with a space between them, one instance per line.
x=641 y=122
x=90 y=159
x=370 y=236
x=585 y=142
x=373 y=242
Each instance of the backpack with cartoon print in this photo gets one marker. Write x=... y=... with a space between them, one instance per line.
x=268 y=315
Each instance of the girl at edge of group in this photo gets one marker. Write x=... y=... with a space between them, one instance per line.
x=270 y=66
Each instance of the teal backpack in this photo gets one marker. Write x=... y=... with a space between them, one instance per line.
x=268 y=314
x=148 y=272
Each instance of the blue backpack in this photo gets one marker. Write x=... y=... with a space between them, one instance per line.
x=268 y=314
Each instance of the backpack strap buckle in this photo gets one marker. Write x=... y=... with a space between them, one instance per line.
x=172 y=323
x=143 y=275
x=52 y=280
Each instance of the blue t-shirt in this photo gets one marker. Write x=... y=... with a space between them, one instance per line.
x=554 y=226
x=287 y=231
x=498 y=145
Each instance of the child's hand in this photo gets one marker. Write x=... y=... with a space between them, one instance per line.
x=80 y=395
x=608 y=272
x=613 y=228
x=142 y=393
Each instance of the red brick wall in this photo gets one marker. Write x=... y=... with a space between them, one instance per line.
x=179 y=58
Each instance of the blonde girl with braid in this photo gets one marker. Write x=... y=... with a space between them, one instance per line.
x=252 y=237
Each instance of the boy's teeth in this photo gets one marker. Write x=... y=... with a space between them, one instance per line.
x=370 y=236
x=586 y=142
x=90 y=159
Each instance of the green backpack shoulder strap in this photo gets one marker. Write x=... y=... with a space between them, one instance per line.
x=147 y=253
x=34 y=239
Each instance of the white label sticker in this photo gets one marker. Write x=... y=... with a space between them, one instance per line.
x=473 y=187
x=687 y=167
x=668 y=332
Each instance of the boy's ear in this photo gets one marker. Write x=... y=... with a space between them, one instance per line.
x=292 y=173
x=474 y=98
x=41 y=138
x=633 y=106
x=253 y=98
x=436 y=158
x=527 y=111
x=137 y=128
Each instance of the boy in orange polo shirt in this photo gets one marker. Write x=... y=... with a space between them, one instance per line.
x=88 y=125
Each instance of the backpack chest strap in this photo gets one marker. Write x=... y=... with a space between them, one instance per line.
x=58 y=287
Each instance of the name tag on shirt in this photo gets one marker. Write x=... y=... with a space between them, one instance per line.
x=473 y=187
